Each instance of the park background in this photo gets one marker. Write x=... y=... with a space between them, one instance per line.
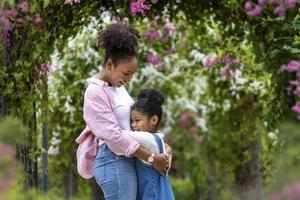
x=229 y=71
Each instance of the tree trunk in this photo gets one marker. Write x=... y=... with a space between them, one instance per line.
x=248 y=185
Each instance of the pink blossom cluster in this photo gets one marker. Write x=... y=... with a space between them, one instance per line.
x=227 y=70
x=14 y=17
x=152 y=34
x=140 y=6
x=167 y=31
x=187 y=121
x=153 y=59
x=290 y=191
x=280 y=7
x=209 y=62
x=294 y=67
x=8 y=178
x=71 y=2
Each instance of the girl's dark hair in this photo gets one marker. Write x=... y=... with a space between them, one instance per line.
x=119 y=41
x=149 y=101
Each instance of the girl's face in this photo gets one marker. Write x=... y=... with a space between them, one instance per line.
x=122 y=73
x=141 y=122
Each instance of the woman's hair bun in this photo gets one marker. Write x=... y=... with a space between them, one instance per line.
x=152 y=96
x=119 y=38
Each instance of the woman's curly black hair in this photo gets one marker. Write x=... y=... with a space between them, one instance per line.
x=119 y=41
x=149 y=102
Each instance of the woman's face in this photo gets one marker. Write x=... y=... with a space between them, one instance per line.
x=122 y=73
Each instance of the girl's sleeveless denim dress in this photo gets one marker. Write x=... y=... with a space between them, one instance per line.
x=151 y=185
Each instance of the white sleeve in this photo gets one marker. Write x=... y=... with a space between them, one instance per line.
x=146 y=140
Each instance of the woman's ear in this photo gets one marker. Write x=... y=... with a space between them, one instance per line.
x=109 y=64
x=154 y=120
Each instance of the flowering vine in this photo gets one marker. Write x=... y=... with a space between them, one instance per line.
x=294 y=67
x=15 y=17
x=280 y=7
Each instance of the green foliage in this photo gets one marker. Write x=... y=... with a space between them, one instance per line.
x=12 y=131
x=218 y=28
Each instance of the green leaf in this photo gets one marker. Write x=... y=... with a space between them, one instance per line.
x=46 y=3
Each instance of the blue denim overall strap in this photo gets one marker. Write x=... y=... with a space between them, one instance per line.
x=159 y=142
x=151 y=185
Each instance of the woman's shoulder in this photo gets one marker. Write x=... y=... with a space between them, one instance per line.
x=94 y=90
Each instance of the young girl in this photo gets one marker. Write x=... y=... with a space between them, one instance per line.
x=146 y=114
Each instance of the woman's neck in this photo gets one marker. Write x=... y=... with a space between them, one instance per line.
x=102 y=75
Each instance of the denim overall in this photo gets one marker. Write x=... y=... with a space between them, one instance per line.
x=151 y=185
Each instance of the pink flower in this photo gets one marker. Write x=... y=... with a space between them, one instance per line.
x=209 y=61
x=37 y=19
x=292 y=66
x=12 y=12
x=139 y=7
x=296 y=108
x=255 y=12
x=248 y=6
x=273 y=2
x=280 y=10
x=294 y=82
x=297 y=91
x=71 y=2
x=45 y=67
x=6 y=23
x=135 y=8
x=262 y=2
x=5 y=37
x=169 y=28
x=290 y=3
x=153 y=59
x=169 y=51
x=24 y=6
x=229 y=60
x=146 y=35
x=225 y=71
x=154 y=35
x=7 y=150
x=185 y=119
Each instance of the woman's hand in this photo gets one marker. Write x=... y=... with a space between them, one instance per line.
x=161 y=163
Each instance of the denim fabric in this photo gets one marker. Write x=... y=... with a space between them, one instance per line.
x=116 y=175
x=151 y=185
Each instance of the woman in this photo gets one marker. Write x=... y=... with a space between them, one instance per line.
x=107 y=115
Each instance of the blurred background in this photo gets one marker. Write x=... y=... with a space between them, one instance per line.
x=229 y=71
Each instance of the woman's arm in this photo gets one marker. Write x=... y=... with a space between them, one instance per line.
x=160 y=163
x=100 y=118
x=147 y=140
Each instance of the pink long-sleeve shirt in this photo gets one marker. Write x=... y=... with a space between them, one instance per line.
x=102 y=125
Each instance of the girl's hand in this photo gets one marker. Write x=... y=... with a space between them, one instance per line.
x=161 y=163
x=169 y=152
